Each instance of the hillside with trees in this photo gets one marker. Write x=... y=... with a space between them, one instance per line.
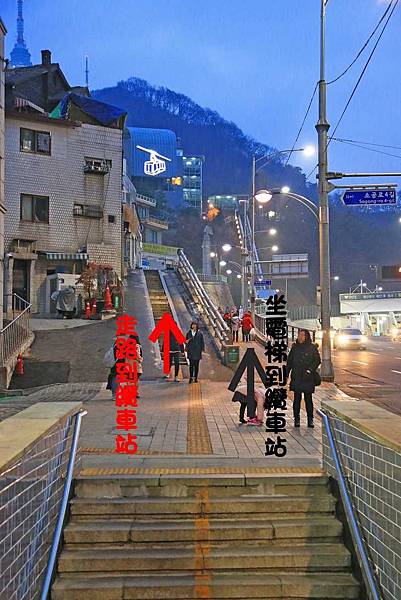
x=356 y=233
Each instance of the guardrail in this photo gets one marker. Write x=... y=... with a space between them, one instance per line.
x=219 y=326
x=17 y=332
x=366 y=567
x=35 y=447
x=260 y=326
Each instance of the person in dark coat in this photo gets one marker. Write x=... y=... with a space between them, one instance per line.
x=195 y=347
x=175 y=352
x=303 y=361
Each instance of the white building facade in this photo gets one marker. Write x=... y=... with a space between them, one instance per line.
x=64 y=201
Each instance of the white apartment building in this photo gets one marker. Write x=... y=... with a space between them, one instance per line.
x=63 y=194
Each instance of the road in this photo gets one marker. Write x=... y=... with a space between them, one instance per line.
x=373 y=374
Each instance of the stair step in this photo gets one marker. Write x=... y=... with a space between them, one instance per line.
x=280 y=586
x=183 y=486
x=218 y=530
x=161 y=508
x=309 y=557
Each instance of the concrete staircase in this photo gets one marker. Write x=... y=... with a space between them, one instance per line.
x=216 y=536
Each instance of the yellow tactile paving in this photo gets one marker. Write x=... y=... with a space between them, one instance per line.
x=140 y=453
x=198 y=438
x=199 y=471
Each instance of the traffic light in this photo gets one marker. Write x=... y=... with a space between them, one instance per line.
x=391 y=273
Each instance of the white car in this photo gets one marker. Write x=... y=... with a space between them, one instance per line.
x=350 y=338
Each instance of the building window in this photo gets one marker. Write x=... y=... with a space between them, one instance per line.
x=152 y=236
x=34 y=209
x=112 y=219
x=37 y=142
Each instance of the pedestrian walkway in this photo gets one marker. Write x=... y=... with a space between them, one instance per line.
x=196 y=427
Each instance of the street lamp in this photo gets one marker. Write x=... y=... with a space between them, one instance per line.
x=222 y=263
x=213 y=255
x=336 y=278
x=272 y=231
x=228 y=271
x=226 y=247
x=263 y=197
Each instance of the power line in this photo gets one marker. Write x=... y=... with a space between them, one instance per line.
x=302 y=125
x=365 y=143
x=363 y=47
x=370 y=149
x=364 y=70
x=311 y=173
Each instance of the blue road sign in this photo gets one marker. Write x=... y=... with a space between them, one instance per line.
x=263 y=282
x=370 y=197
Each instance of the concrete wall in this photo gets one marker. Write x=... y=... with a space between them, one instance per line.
x=369 y=440
x=61 y=177
x=219 y=293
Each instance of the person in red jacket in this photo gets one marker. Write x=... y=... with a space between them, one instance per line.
x=247 y=325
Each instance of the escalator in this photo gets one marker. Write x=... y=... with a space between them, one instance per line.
x=159 y=301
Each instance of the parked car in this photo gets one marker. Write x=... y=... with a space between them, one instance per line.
x=396 y=334
x=350 y=338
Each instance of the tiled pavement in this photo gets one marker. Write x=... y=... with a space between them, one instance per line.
x=180 y=425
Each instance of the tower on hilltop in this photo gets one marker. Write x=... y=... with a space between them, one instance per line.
x=19 y=55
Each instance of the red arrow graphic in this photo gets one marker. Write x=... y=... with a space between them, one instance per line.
x=165 y=327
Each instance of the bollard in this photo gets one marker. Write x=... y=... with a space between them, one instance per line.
x=107 y=299
x=20 y=365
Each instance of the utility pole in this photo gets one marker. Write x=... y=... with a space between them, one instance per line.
x=244 y=264
x=253 y=294
x=322 y=127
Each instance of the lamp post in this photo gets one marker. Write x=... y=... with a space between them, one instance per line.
x=262 y=197
x=322 y=127
x=243 y=269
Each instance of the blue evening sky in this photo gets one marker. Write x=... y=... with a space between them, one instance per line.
x=254 y=61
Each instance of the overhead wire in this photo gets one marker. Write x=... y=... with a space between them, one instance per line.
x=335 y=139
x=363 y=70
x=367 y=148
x=363 y=47
x=302 y=124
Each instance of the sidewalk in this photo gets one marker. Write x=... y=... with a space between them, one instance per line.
x=193 y=427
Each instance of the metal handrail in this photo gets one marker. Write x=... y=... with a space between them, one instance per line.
x=63 y=508
x=350 y=513
x=220 y=327
x=28 y=305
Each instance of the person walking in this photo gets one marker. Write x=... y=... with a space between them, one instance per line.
x=195 y=347
x=175 y=351
x=235 y=325
x=303 y=362
x=247 y=325
x=111 y=361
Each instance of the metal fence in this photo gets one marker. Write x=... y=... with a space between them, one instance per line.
x=17 y=332
x=220 y=328
x=30 y=492
x=260 y=326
